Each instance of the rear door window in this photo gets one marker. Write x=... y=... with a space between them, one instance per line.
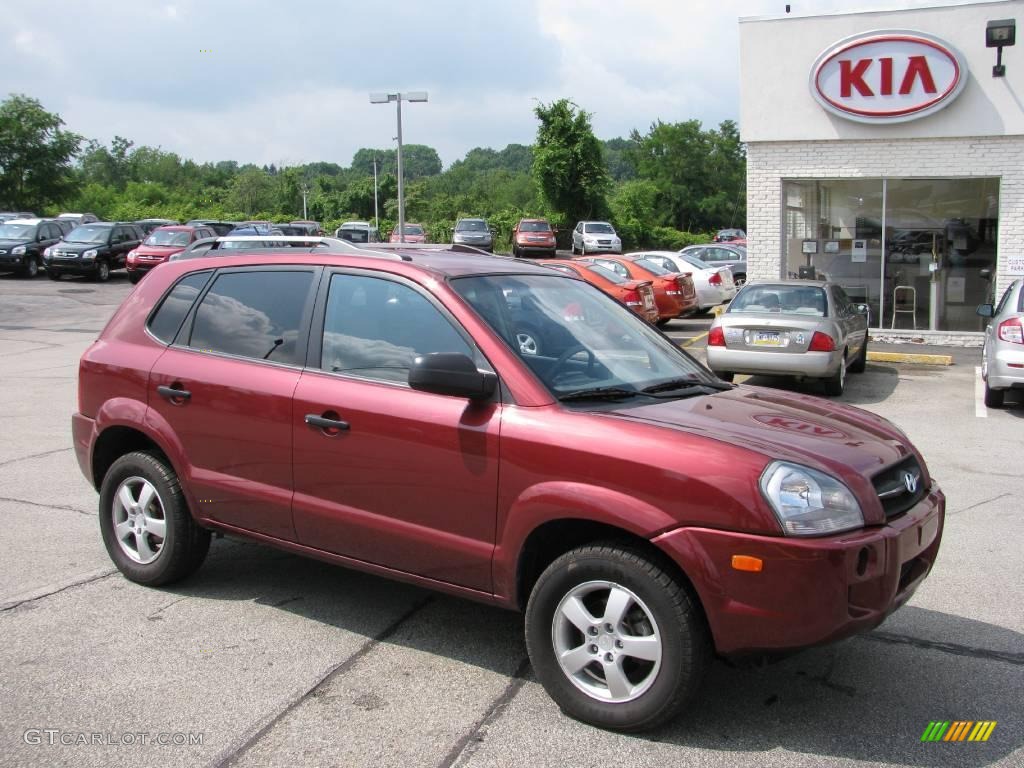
x=254 y=313
x=166 y=320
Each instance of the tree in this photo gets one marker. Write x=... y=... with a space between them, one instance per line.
x=35 y=155
x=252 y=191
x=418 y=161
x=567 y=163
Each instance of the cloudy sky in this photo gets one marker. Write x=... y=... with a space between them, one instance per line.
x=288 y=82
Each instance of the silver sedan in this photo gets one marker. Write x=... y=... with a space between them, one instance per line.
x=1002 y=359
x=803 y=328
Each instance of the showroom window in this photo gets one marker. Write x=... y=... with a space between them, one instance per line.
x=920 y=253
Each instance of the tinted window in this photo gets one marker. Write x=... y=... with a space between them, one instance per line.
x=375 y=328
x=607 y=274
x=795 y=299
x=650 y=266
x=167 y=319
x=253 y=314
x=614 y=266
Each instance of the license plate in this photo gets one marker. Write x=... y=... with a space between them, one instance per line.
x=648 y=301
x=767 y=339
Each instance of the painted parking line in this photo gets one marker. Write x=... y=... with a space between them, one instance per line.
x=979 y=394
x=693 y=340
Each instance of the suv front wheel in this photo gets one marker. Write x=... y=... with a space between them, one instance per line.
x=146 y=525
x=616 y=639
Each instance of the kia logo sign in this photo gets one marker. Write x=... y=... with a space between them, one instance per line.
x=887 y=76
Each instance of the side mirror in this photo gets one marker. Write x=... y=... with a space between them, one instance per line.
x=451 y=373
x=862 y=309
x=985 y=310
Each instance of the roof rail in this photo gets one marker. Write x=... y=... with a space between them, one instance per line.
x=330 y=243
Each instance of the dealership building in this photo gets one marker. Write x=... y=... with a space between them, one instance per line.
x=885 y=151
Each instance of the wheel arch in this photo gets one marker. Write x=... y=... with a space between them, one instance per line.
x=114 y=442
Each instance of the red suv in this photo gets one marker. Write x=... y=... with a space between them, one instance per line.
x=375 y=410
x=160 y=245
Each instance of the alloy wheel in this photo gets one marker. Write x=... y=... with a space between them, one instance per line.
x=140 y=524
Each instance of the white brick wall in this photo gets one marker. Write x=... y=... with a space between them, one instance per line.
x=770 y=162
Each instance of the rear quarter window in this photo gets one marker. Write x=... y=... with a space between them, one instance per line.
x=165 y=322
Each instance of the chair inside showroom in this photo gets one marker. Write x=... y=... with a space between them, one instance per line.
x=904 y=301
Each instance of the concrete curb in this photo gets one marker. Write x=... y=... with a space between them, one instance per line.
x=909 y=357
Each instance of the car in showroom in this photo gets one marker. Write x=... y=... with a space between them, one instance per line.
x=714 y=285
x=160 y=245
x=373 y=409
x=674 y=293
x=1002 y=357
x=474 y=232
x=722 y=255
x=93 y=250
x=533 y=237
x=595 y=236
x=22 y=242
x=638 y=295
x=808 y=329
x=414 y=233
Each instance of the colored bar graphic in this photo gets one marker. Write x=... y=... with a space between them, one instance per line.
x=958 y=730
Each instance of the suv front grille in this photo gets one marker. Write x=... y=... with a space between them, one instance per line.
x=899 y=487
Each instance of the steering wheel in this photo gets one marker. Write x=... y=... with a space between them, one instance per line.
x=564 y=358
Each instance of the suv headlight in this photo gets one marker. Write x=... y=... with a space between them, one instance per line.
x=808 y=502
x=90 y=254
x=18 y=250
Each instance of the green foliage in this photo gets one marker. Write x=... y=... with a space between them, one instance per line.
x=567 y=161
x=652 y=187
x=35 y=155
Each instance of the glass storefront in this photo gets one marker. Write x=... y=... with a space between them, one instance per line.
x=921 y=253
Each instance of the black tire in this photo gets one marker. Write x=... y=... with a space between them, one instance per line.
x=994 y=397
x=515 y=252
x=725 y=376
x=860 y=363
x=834 y=385
x=53 y=274
x=685 y=648
x=31 y=268
x=185 y=543
x=102 y=273
x=739 y=280
x=134 y=277
x=662 y=322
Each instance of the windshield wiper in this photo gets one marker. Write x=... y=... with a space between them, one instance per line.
x=686 y=385
x=600 y=393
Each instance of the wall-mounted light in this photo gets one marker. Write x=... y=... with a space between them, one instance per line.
x=998 y=34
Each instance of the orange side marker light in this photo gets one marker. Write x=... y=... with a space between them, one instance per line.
x=747 y=563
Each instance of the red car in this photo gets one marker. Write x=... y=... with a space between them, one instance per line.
x=638 y=295
x=376 y=411
x=160 y=245
x=674 y=292
x=533 y=237
x=414 y=233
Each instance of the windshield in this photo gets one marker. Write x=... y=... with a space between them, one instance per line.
x=610 y=275
x=88 y=233
x=791 y=299
x=412 y=229
x=167 y=237
x=17 y=231
x=587 y=340
x=534 y=226
x=692 y=260
x=471 y=225
x=354 y=235
x=599 y=228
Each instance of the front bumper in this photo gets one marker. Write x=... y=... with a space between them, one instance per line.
x=79 y=265
x=602 y=247
x=544 y=249
x=810 y=590
x=816 y=365
x=9 y=261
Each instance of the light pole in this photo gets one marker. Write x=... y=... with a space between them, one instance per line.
x=376 y=222
x=398 y=98
x=305 y=191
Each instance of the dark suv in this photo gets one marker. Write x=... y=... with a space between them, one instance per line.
x=22 y=242
x=374 y=409
x=93 y=249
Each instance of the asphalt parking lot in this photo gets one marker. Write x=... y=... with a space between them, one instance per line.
x=278 y=660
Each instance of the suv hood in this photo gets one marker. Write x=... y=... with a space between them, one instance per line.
x=15 y=241
x=781 y=425
x=158 y=250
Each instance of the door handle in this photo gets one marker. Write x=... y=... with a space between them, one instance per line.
x=170 y=393
x=325 y=423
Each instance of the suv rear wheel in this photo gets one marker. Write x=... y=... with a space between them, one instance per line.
x=102 y=270
x=146 y=525
x=616 y=640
